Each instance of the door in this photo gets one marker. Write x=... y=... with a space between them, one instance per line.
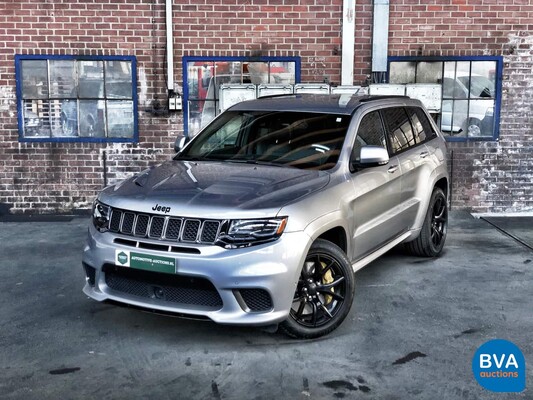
x=407 y=138
x=377 y=192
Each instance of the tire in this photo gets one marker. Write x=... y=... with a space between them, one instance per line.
x=324 y=293
x=433 y=234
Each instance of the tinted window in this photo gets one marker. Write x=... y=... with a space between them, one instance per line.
x=398 y=128
x=295 y=139
x=370 y=133
x=422 y=129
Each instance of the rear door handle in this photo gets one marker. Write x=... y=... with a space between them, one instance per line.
x=424 y=154
x=392 y=169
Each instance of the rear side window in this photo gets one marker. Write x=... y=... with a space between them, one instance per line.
x=398 y=128
x=422 y=128
x=370 y=133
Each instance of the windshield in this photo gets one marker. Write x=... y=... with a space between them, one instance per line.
x=293 y=139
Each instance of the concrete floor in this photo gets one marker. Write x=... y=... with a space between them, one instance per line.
x=412 y=332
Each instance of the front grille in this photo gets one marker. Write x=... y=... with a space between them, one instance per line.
x=174 y=229
x=256 y=299
x=169 y=288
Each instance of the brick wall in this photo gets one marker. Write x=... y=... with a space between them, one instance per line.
x=487 y=176
x=49 y=177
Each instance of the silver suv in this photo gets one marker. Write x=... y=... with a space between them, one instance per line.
x=264 y=216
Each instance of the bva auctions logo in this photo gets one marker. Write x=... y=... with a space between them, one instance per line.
x=500 y=366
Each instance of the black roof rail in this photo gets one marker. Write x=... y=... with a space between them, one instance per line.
x=382 y=97
x=270 y=96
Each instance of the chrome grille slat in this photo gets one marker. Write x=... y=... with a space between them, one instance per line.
x=164 y=228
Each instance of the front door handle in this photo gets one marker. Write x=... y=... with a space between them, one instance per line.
x=424 y=154
x=392 y=169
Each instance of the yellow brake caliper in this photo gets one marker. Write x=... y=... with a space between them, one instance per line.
x=327 y=278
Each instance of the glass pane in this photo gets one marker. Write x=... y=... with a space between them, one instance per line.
x=455 y=117
x=283 y=73
x=36 y=118
x=63 y=79
x=402 y=72
x=369 y=133
x=481 y=118
x=429 y=72
x=199 y=75
x=63 y=118
x=91 y=79
x=92 y=118
x=118 y=84
x=483 y=79
x=256 y=72
x=452 y=87
x=195 y=109
x=34 y=79
x=399 y=128
x=120 y=118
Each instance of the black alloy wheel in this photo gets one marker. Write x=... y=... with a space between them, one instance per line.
x=324 y=292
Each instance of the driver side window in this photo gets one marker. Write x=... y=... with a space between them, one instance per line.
x=370 y=133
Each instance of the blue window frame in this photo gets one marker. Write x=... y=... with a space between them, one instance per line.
x=202 y=77
x=71 y=98
x=471 y=91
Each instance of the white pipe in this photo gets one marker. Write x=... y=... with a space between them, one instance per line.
x=348 y=42
x=380 y=36
x=170 y=46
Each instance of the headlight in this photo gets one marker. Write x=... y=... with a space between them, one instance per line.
x=249 y=232
x=100 y=216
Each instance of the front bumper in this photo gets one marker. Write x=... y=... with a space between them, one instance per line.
x=273 y=268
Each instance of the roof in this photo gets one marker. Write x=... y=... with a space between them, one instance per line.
x=318 y=103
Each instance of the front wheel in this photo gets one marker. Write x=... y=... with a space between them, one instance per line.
x=324 y=293
x=433 y=234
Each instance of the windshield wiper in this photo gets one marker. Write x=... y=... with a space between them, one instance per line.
x=185 y=158
x=256 y=162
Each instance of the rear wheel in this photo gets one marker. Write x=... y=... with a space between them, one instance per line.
x=324 y=293
x=433 y=234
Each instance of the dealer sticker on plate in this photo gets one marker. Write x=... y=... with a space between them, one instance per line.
x=126 y=258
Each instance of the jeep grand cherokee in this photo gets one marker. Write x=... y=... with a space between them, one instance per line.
x=264 y=216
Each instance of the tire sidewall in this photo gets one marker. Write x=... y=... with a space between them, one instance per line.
x=435 y=250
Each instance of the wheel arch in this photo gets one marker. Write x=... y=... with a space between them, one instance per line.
x=337 y=236
x=333 y=228
x=443 y=184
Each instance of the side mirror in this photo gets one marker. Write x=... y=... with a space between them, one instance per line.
x=371 y=156
x=180 y=143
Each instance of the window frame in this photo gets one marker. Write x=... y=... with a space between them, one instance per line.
x=498 y=79
x=243 y=59
x=76 y=139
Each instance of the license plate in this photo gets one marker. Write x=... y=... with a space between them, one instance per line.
x=148 y=262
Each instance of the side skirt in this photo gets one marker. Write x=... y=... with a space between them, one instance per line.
x=378 y=253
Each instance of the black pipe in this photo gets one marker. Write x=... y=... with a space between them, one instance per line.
x=451 y=178
x=104 y=159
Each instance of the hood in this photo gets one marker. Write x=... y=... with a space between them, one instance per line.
x=213 y=189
